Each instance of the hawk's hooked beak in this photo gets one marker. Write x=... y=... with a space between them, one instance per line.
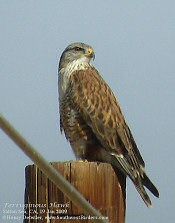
x=90 y=53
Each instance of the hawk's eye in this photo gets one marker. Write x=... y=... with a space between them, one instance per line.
x=77 y=48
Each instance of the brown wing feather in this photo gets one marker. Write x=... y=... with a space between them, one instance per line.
x=96 y=104
x=99 y=108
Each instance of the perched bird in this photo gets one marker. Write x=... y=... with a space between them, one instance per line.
x=92 y=119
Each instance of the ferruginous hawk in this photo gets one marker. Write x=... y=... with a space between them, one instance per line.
x=92 y=119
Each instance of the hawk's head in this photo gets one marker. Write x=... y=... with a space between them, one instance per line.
x=80 y=52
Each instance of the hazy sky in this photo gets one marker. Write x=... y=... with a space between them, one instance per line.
x=134 y=42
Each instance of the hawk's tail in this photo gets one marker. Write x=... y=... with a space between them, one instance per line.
x=139 y=178
x=139 y=183
x=140 y=188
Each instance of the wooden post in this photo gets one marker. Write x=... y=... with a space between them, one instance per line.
x=97 y=182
